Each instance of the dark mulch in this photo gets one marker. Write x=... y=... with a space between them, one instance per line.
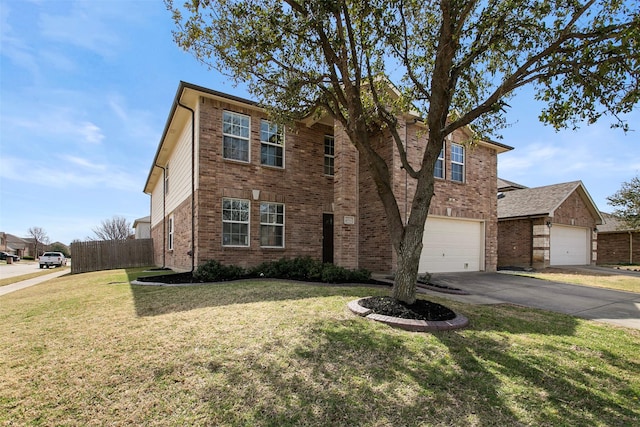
x=171 y=279
x=420 y=310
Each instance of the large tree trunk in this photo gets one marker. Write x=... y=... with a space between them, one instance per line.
x=404 y=288
x=410 y=247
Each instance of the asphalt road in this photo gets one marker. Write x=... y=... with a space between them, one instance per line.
x=18 y=268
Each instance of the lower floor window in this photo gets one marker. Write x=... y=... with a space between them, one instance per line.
x=235 y=222
x=272 y=225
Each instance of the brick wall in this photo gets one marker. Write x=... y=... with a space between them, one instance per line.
x=614 y=248
x=301 y=186
x=515 y=237
x=475 y=198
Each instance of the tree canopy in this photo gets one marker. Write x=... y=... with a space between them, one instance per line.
x=627 y=203
x=457 y=62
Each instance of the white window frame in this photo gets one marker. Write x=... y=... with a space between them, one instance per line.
x=170 y=232
x=237 y=136
x=454 y=161
x=278 y=144
x=442 y=165
x=331 y=157
x=236 y=220
x=272 y=222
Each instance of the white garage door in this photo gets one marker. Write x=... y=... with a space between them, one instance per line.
x=569 y=245
x=451 y=245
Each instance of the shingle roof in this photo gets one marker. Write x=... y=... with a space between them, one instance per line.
x=505 y=185
x=542 y=201
x=612 y=223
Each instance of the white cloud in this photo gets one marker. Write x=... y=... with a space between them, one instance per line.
x=84 y=163
x=71 y=172
x=85 y=26
x=136 y=124
x=15 y=48
x=54 y=122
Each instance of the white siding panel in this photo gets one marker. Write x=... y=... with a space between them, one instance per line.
x=180 y=170
x=156 y=204
x=452 y=245
x=569 y=245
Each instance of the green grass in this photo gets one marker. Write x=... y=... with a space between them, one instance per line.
x=609 y=280
x=90 y=349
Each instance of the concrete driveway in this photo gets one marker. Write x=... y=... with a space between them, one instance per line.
x=615 y=307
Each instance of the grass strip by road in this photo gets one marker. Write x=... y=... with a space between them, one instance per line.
x=16 y=279
x=90 y=349
x=596 y=279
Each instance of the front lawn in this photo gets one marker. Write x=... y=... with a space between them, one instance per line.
x=91 y=349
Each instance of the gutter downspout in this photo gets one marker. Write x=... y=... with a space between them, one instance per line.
x=164 y=215
x=193 y=185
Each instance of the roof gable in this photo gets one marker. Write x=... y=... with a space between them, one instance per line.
x=543 y=201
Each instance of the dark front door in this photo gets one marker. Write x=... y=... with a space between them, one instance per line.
x=327 y=238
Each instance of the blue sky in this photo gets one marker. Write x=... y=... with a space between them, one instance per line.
x=86 y=86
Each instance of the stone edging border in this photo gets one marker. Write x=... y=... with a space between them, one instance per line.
x=413 y=325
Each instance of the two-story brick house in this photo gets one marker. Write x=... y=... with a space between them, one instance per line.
x=227 y=184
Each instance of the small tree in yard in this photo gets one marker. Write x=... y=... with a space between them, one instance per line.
x=116 y=228
x=40 y=238
x=627 y=202
x=456 y=61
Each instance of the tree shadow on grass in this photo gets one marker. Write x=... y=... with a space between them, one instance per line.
x=358 y=372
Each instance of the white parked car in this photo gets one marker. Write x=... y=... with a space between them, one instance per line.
x=55 y=259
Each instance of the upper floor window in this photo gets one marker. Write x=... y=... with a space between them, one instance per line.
x=272 y=225
x=457 y=163
x=271 y=144
x=329 y=150
x=438 y=171
x=235 y=222
x=235 y=130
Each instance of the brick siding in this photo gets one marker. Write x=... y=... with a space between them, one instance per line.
x=361 y=236
x=613 y=247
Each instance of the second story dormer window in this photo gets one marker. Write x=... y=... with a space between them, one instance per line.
x=329 y=152
x=235 y=131
x=457 y=163
x=271 y=144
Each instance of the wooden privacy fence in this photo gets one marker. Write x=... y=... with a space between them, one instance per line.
x=110 y=254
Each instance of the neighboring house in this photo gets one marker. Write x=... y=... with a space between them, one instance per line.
x=14 y=245
x=617 y=242
x=142 y=227
x=545 y=226
x=229 y=185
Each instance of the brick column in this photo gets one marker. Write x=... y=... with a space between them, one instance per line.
x=345 y=198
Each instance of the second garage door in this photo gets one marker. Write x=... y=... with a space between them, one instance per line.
x=569 y=245
x=451 y=245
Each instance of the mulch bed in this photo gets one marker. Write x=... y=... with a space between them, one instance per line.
x=420 y=310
